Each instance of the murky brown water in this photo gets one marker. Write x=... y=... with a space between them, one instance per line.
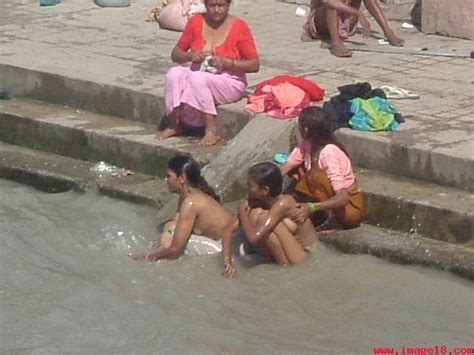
x=67 y=286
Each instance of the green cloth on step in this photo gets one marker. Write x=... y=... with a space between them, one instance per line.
x=374 y=114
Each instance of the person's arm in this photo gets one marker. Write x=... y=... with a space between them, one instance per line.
x=303 y=210
x=229 y=270
x=184 y=228
x=341 y=6
x=288 y=166
x=257 y=234
x=182 y=52
x=249 y=61
x=180 y=56
x=242 y=65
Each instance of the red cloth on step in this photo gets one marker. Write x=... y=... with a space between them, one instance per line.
x=315 y=92
x=284 y=96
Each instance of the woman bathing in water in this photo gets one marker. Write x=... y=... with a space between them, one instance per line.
x=221 y=44
x=264 y=218
x=200 y=212
x=337 y=20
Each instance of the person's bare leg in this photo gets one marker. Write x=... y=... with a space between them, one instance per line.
x=210 y=137
x=376 y=11
x=292 y=248
x=327 y=24
x=174 y=127
x=276 y=249
x=306 y=35
x=282 y=243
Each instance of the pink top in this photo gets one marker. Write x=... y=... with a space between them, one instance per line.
x=332 y=160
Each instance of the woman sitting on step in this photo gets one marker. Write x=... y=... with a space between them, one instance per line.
x=221 y=50
x=325 y=175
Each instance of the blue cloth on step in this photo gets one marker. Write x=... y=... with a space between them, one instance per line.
x=374 y=114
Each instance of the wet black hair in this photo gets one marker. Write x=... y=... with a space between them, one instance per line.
x=187 y=166
x=267 y=175
x=319 y=127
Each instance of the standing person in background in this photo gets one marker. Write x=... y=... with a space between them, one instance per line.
x=337 y=20
x=221 y=50
x=325 y=173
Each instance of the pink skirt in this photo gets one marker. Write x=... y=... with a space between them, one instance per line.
x=201 y=91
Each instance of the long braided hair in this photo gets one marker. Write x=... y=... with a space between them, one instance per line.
x=187 y=166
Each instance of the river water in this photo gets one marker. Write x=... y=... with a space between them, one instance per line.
x=68 y=287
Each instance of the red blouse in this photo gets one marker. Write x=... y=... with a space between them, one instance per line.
x=239 y=43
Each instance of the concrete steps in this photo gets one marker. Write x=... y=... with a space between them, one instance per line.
x=54 y=173
x=94 y=137
x=418 y=207
x=393 y=202
x=112 y=100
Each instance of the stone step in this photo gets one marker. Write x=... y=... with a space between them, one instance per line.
x=54 y=173
x=404 y=249
x=404 y=205
x=407 y=152
x=94 y=137
x=417 y=207
x=113 y=100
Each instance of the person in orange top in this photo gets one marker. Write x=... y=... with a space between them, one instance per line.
x=221 y=50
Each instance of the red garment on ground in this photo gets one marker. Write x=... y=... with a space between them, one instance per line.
x=284 y=96
x=281 y=101
x=315 y=92
x=239 y=43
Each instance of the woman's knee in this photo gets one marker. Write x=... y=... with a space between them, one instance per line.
x=176 y=74
x=198 y=80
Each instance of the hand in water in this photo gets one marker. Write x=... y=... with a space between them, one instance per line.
x=137 y=256
x=152 y=256
x=144 y=256
x=229 y=271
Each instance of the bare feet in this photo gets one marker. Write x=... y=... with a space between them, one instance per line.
x=167 y=133
x=306 y=37
x=339 y=50
x=394 y=40
x=210 y=138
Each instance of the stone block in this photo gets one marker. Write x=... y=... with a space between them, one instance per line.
x=451 y=18
x=399 y=10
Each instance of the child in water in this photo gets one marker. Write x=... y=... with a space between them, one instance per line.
x=264 y=217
